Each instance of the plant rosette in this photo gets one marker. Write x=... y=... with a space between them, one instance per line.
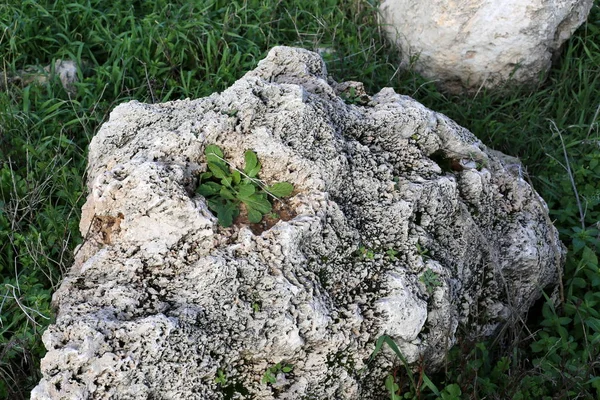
x=226 y=188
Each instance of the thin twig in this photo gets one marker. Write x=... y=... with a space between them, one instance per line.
x=555 y=245
x=592 y=123
x=2 y=306
x=568 y=167
x=24 y=308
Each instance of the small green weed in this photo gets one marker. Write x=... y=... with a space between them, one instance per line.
x=431 y=280
x=226 y=190
x=367 y=253
x=392 y=387
x=221 y=378
x=271 y=373
x=391 y=253
x=416 y=384
x=423 y=252
x=352 y=97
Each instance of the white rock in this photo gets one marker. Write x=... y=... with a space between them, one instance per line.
x=471 y=44
x=161 y=298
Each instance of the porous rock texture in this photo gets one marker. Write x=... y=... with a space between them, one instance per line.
x=470 y=44
x=402 y=223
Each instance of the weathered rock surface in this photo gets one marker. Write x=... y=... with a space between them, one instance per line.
x=405 y=224
x=482 y=43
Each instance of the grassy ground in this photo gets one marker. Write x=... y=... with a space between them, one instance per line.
x=158 y=50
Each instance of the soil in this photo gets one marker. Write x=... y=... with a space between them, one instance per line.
x=282 y=211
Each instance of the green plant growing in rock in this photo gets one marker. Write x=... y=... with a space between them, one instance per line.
x=221 y=378
x=431 y=280
x=391 y=253
x=423 y=252
x=367 y=253
x=352 y=97
x=271 y=373
x=227 y=188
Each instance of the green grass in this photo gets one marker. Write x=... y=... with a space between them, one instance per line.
x=159 y=50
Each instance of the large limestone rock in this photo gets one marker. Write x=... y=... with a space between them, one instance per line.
x=402 y=223
x=482 y=43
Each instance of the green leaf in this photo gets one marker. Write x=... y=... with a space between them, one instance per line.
x=254 y=216
x=253 y=173
x=287 y=368
x=281 y=189
x=548 y=312
x=430 y=385
x=453 y=390
x=219 y=170
x=251 y=161
x=593 y=323
x=252 y=167
x=221 y=379
x=226 y=193
x=258 y=202
x=385 y=339
x=564 y=320
x=226 y=211
x=237 y=177
x=245 y=191
x=227 y=181
x=578 y=282
x=392 y=254
x=589 y=256
x=392 y=387
x=269 y=376
x=205 y=175
x=213 y=149
x=208 y=189
x=214 y=156
x=595 y=382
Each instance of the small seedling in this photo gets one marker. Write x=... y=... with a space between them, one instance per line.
x=431 y=280
x=352 y=96
x=221 y=378
x=271 y=373
x=392 y=387
x=423 y=252
x=226 y=190
x=273 y=215
x=392 y=254
x=369 y=254
x=232 y=113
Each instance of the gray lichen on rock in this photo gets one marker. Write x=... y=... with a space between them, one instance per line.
x=161 y=298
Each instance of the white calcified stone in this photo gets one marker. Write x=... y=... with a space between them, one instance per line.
x=470 y=44
x=161 y=298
